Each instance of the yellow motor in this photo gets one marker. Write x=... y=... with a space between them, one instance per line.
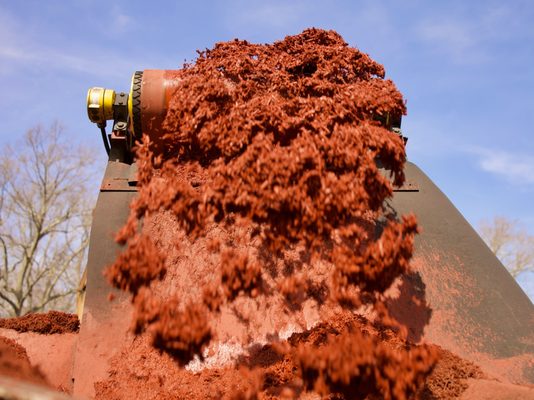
x=142 y=110
x=100 y=104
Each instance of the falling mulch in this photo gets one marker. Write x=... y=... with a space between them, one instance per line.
x=272 y=159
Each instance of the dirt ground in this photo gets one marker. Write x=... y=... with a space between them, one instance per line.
x=140 y=371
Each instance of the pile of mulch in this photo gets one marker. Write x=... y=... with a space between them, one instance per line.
x=266 y=373
x=450 y=377
x=45 y=343
x=52 y=322
x=14 y=363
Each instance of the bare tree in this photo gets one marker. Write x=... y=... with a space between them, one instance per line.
x=511 y=243
x=45 y=217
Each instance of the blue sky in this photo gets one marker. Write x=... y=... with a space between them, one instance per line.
x=465 y=68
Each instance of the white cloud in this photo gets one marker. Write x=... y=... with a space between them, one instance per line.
x=12 y=53
x=453 y=34
x=35 y=56
x=121 y=22
x=19 y=49
x=468 y=39
x=264 y=15
x=458 y=40
x=515 y=168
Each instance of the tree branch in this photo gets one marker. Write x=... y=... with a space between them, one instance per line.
x=42 y=218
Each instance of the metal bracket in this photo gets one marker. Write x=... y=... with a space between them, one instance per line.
x=117 y=185
x=125 y=182
x=407 y=186
x=132 y=175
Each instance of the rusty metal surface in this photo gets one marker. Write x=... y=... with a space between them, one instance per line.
x=475 y=308
x=157 y=87
x=407 y=186
x=117 y=185
x=132 y=175
x=124 y=179
x=153 y=105
x=105 y=324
